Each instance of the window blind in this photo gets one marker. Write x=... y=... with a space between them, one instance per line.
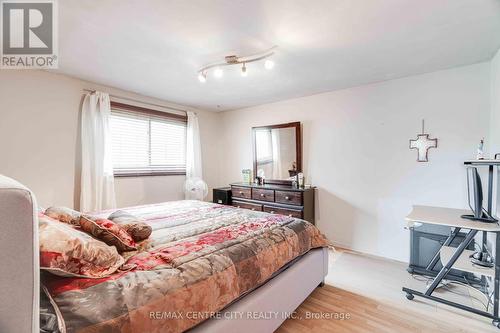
x=147 y=143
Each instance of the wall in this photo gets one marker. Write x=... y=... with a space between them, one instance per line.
x=39 y=140
x=494 y=137
x=355 y=145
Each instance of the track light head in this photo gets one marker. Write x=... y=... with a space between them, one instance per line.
x=244 y=72
x=218 y=72
x=202 y=77
x=269 y=64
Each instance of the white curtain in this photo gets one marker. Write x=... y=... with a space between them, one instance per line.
x=97 y=182
x=193 y=149
x=275 y=142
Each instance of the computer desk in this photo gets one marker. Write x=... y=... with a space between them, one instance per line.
x=456 y=258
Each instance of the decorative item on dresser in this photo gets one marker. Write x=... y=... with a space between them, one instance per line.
x=275 y=199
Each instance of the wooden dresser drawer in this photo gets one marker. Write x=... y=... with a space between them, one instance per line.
x=241 y=192
x=283 y=211
x=276 y=199
x=261 y=194
x=247 y=205
x=289 y=197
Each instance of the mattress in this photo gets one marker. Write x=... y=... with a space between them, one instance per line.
x=200 y=258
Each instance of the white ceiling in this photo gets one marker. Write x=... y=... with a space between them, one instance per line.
x=155 y=47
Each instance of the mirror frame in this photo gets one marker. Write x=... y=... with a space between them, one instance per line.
x=298 y=150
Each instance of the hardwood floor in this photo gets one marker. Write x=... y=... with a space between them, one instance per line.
x=365 y=294
x=365 y=315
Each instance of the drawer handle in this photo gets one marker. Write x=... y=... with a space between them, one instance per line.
x=262 y=195
x=287 y=198
x=272 y=212
x=238 y=207
x=241 y=192
x=289 y=215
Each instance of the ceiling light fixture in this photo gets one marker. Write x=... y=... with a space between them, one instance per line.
x=237 y=60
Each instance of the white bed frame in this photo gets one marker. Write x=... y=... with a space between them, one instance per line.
x=20 y=276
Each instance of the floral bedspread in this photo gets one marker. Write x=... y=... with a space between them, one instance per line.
x=199 y=258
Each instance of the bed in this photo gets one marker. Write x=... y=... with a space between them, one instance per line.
x=206 y=268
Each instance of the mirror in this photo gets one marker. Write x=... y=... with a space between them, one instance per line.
x=277 y=152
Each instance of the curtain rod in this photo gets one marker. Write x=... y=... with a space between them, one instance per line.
x=142 y=102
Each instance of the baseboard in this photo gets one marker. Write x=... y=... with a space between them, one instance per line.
x=341 y=246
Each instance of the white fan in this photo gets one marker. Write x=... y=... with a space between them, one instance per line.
x=195 y=189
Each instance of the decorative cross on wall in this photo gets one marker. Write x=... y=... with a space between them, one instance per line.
x=422 y=144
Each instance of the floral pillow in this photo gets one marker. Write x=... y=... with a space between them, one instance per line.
x=64 y=214
x=135 y=226
x=67 y=251
x=109 y=232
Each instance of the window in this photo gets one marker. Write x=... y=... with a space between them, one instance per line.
x=147 y=142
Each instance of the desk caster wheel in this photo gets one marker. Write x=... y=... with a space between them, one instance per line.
x=409 y=296
x=496 y=323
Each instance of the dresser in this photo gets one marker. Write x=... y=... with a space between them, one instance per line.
x=275 y=199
